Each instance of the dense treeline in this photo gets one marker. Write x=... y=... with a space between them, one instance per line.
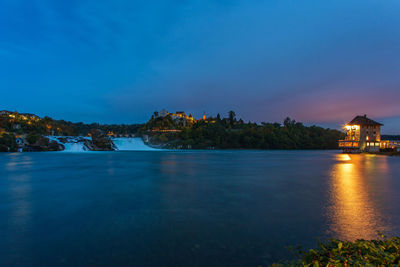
x=230 y=133
x=24 y=124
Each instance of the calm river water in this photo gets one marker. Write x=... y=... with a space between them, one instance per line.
x=203 y=208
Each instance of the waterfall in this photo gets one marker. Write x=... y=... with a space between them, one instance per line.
x=75 y=147
x=130 y=144
x=77 y=143
x=71 y=143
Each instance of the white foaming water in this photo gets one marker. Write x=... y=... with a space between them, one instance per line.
x=130 y=144
x=75 y=147
x=76 y=144
x=73 y=143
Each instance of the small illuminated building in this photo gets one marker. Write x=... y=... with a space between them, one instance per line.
x=28 y=116
x=362 y=135
x=393 y=145
x=182 y=116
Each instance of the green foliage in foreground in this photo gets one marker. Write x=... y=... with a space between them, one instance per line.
x=384 y=252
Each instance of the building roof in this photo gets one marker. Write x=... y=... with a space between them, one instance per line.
x=363 y=120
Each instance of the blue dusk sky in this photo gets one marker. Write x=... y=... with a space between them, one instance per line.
x=319 y=62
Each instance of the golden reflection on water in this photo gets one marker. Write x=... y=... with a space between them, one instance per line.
x=353 y=213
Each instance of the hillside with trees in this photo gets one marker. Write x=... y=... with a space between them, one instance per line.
x=233 y=133
x=32 y=129
x=14 y=122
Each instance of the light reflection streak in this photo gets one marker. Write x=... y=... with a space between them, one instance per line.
x=111 y=167
x=353 y=213
x=18 y=162
x=19 y=182
x=21 y=193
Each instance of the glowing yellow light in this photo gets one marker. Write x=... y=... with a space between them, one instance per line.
x=343 y=157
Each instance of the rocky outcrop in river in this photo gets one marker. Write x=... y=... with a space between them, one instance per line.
x=100 y=142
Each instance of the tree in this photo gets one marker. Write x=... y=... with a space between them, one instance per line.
x=289 y=122
x=232 y=117
x=8 y=143
x=33 y=137
x=290 y=135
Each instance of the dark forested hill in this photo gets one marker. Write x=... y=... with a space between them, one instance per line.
x=18 y=123
x=230 y=133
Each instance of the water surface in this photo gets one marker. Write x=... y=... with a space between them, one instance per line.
x=201 y=208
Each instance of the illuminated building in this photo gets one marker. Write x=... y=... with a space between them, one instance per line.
x=362 y=135
x=179 y=115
